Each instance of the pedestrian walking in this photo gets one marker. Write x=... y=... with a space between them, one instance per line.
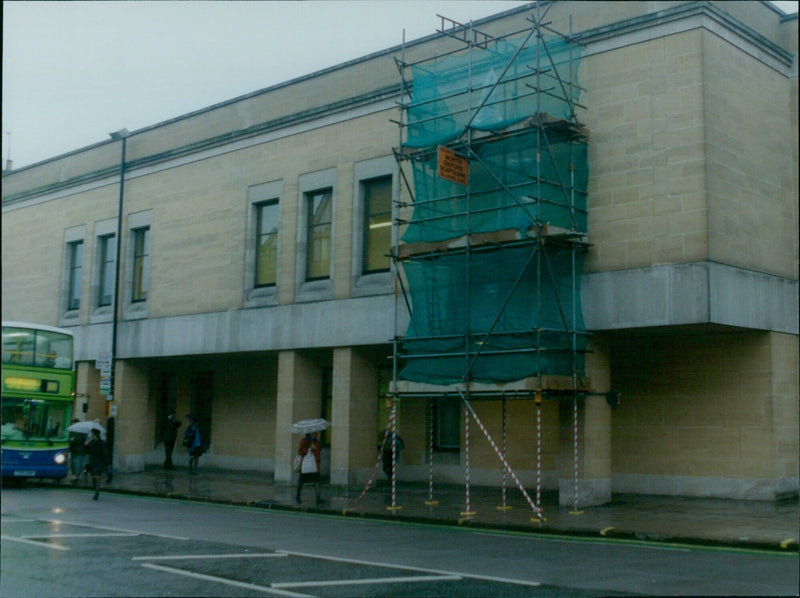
x=98 y=460
x=386 y=454
x=193 y=443
x=77 y=453
x=169 y=434
x=309 y=451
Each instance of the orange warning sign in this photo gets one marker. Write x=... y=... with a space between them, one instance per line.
x=452 y=166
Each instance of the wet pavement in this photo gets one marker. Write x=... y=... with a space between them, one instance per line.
x=704 y=521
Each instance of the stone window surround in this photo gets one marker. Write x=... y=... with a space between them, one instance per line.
x=256 y=194
x=378 y=282
x=313 y=290
x=100 y=313
x=133 y=310
x=71 y=317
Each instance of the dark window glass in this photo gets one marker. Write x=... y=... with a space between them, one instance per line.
x=108 y=256
x=75 y=274
x=448 y=423
x=141 y=264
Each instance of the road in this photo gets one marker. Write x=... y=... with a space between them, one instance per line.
x=58 y=542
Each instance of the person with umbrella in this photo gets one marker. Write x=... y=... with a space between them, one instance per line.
x=97 y=452
x=77 y=452
x=309 y=451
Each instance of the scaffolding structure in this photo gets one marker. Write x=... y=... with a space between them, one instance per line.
x=489 y=249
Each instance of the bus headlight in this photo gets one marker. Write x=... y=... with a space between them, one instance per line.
x=60 y=458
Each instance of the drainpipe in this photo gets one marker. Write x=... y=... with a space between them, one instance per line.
x=122 y=135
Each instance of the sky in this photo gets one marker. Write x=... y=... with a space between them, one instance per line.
x=75 y=71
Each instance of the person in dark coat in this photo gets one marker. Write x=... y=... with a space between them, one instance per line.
x=193 y=443
x=98 y=460
x=169 y=434
x=77 y=453
x=386 y=454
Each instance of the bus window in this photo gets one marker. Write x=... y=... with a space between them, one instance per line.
x=53 y=350
x=18 y=346
x=14 y=421
x=57 y=422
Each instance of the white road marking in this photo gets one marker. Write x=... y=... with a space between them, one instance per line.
x=374 y=580
x=187 y=557
x=32 y=543
x=519 y=582
x=114 y=529
x=15 y=519
x=94 y=535
x=230 y=582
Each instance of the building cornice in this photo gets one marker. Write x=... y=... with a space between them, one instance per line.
x=676 y=19
x=681 y=18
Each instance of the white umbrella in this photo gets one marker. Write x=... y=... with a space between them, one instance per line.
x=307 y=426
x=86 y=427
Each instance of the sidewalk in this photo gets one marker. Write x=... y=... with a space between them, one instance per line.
x=705 y=521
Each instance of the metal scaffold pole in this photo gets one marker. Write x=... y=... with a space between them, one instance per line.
x=496 y=107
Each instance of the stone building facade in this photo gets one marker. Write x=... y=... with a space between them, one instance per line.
x=251 y=291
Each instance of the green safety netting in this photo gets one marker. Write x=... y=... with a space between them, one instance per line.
x=525 y=295
x=492 y=87
x=504 y=290
x=508 y=189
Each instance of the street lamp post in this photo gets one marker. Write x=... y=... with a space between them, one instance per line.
x=121 y=135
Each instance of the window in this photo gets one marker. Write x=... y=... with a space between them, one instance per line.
x=377 y=224
x=108 y=254
x=267 y=223
x=75 y=274
x=141 y=264
x=448 y=423
x=318 y=257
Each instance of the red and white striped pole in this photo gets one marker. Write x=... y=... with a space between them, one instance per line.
x=575 y=510
x=538 y=402
x=467 y=510
x=537 y=511
x=393 y=425
x=503 y=506
x=430 y=502
x=374 y=471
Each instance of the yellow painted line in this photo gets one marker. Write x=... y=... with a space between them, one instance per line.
x=604 y=531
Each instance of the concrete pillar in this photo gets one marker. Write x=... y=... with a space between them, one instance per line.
x=299 y=395
x=784 y=407
x=134 y=422
x=593 y=438
x=354 y=427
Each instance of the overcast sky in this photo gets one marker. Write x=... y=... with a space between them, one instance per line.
x=75 y=71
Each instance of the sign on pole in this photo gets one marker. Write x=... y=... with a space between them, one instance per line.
x=452 y=166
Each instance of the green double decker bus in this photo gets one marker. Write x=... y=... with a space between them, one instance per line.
x=37 y=396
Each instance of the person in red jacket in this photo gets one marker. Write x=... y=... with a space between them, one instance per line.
x=309 y=451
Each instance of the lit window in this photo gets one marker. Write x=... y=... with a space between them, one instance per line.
x=108 y=255
x=75 y=250
x=141 y=264
x=267 y=224
x=377 y=224
x=318 y=262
